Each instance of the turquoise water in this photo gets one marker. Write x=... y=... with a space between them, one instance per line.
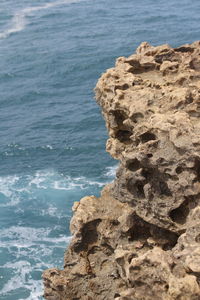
x=52 y=133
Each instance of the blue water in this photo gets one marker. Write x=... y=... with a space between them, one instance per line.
x=52 y=133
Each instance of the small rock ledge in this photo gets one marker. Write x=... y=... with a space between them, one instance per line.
x=141 y=239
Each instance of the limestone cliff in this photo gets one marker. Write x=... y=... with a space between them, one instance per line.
x=141 y=239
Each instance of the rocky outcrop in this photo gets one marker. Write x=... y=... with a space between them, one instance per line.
x=141 y=239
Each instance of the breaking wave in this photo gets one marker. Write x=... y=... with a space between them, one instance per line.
x=20 y=18
x=38 y=207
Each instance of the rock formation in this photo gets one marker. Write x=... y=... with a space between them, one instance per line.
x=141 y=239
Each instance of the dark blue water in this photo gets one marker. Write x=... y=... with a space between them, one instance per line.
x=52 y=133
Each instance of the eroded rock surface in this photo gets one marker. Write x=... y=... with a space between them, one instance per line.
x=141 y=239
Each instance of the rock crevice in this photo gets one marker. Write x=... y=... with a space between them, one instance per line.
x=141 y=239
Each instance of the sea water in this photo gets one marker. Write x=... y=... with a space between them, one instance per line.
x=52 y=135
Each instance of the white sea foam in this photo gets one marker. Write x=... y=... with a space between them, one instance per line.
x=7 y=188
x=20 y=18
x=56 y=241
x=22 y=269
x=25 y=236
x=23 y=279
x=50 y=211
x=36 y=290
x=48 y=147
x=34 y=244
x=76 y=183
x=111 y=171
x=53 y=180
x=17 y=188
x=91 y=182
x=39 y=178
x=68 y=184
x=5 y=184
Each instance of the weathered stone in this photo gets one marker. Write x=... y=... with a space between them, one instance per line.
x=141 y=239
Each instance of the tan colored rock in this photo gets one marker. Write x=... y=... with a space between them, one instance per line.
x=141 y=239
x=152 y=120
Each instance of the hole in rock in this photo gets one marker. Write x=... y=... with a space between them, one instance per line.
x=195 y=64
x=140 y=189
x=142 y=230
x=150 y=112
x=197 y=239
x=133 y=164
x=139 y=231
x=166 y=286
x=179 y=214
x=119 y=116
x=164 y=189
x=167 y=247
x=93 y=250
x=121 y=97
x=136 y=117
x=107 y=249
x=134 y=268
x=164 y=55
x=89 y=235
x=60 y=288
x=189 y=99
x=161 y=160
x=136 y=188
x=149 y=155
x=133 y=255
x=114 y=222
x=197 y=168
x=158 y=186
x=123 y=87
x=123 y=136
x=116 y=295
x=138 y=283
x=179 y=170
x=193 y=114
x=147 y=173
x=172 y=68
x=141 y=69
x=147 y=136
x=184 y=49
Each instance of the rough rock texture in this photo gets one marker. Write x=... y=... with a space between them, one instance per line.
x=141 y=239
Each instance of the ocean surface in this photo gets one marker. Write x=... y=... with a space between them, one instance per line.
x=52 y=135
